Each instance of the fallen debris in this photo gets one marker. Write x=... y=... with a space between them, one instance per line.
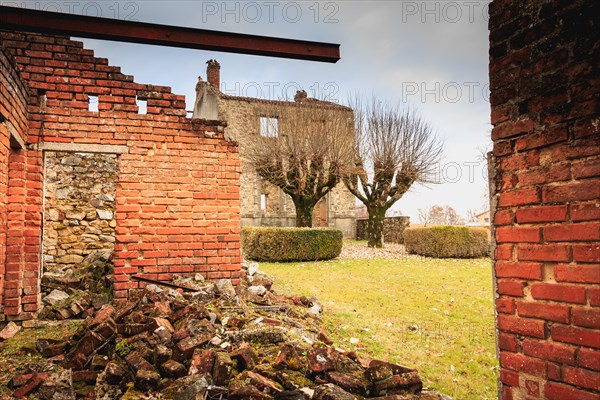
x=78 y=292
x=217 y=341
x=9 y=331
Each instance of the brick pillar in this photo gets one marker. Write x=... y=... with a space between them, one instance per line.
x=18 y=224
x=4 y=154
x=213 y=73
x=545 y=111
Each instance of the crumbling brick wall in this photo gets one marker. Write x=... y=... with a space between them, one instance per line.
x=544 y=95
x=13 y=131
x=177 y=194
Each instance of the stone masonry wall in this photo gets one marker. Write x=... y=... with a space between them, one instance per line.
x=14 y=98
x=243 y=116
x=545 y=98
x=79 y=207
x=177 y=194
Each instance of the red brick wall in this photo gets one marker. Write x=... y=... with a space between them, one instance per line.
x=178 y=185
x=13 y=115
x=545 y=110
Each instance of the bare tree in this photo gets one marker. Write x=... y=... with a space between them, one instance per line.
x=304 y=154
x=435 y=215
x=424 y=216
x=394 y=148
x=472 y=215
x=439 y=215
x=451 y=217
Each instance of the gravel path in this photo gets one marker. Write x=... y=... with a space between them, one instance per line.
x=360 y=250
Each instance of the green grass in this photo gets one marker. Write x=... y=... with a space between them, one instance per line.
x=18 y=354
x=381 y=300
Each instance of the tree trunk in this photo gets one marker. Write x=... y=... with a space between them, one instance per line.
x=375 y=227
x=304 y=214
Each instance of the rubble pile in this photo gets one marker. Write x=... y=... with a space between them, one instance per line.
x=212 y=341
x=80 y=291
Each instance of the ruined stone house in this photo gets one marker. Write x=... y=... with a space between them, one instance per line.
x=263 y=204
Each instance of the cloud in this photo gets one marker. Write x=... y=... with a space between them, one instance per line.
x=386 y=46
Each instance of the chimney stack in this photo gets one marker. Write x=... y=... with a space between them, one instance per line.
x=300 y=96
x=213 y=73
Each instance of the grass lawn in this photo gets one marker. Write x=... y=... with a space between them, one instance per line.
x=435 y=315
x=18 y=355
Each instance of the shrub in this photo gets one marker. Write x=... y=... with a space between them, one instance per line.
x=291 y=244
x=448 y=241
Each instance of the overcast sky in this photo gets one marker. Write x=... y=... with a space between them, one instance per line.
x=431 y=55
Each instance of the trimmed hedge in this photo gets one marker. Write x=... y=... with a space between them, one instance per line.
x=448 y=241
x=290 y=244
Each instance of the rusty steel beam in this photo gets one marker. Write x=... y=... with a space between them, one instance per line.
x=29 y=20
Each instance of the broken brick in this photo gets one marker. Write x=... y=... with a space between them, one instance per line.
x=289 y=357
x=222 y=368
x=75 y=361
x=262 y=383
x=32 y=383
x=115 y=373
x=202 y=362
x=162 y=354
x=99 y=362
x=397 y=384
x=19 y=380
x=137 y=362
x=161 y=322
x=9 y=330
x=89 y=343
x=350 y=383
x=330 y=391
x=50 y=348
x=186 y=347
x=246 y=357
x=146 y=380
x=173 y=369
x=322 y=359
x=246 y=392
x=132 y=329
x=85 y=376
x=107 y=329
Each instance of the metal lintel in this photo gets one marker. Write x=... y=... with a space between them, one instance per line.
x=29 y=20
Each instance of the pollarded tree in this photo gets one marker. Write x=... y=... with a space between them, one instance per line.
x=303 y=153
x=394 y=148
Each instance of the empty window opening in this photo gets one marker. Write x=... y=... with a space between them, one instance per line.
x=142 y=106
x=269 y=127
x=43 y=99
x=93 y=103
x=263 y=202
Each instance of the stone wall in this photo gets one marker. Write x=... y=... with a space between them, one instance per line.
x=79 y=207
x=393 y=229
x=545 y=98
x=243 y=117
x=177 y=193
